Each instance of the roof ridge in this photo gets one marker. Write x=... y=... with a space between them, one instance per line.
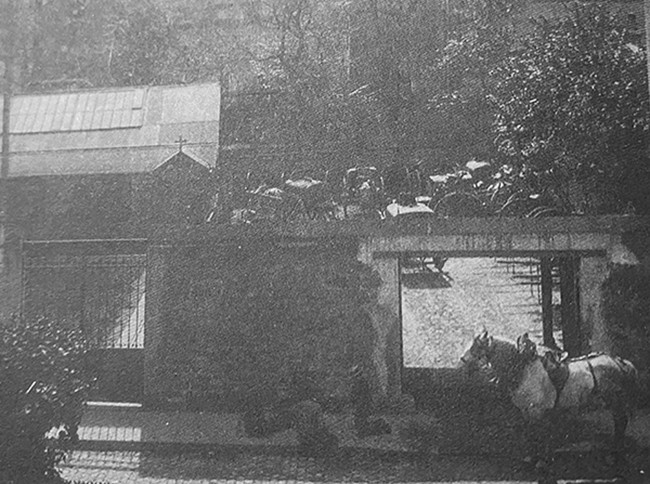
x=114 y=89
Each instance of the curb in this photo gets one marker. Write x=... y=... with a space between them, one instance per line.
x=231 y=449
x=177 y=447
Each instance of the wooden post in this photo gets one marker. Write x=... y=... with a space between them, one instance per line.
x=547 y=301
x=571 y=333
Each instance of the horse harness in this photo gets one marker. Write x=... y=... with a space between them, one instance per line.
x=558 y=370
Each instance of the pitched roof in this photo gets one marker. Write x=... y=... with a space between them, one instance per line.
x=117 y=130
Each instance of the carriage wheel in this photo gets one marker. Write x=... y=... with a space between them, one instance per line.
x=458 y=204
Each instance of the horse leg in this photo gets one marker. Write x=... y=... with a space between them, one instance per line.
x=539 y=448
x=621 y=419
x=618 y=405
x=620 y=425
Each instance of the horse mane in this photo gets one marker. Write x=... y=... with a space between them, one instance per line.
x=507 y=361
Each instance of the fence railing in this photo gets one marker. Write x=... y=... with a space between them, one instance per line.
x=97 y=285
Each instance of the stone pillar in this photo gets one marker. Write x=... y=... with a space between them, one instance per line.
x=387 y=354
x=154 y=386
x=593 y=272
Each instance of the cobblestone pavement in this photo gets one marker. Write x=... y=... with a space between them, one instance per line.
x=440 y=316
x=151 y=468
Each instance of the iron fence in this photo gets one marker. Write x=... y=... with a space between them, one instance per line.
x=98 y=285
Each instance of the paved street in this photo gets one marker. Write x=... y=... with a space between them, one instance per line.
x=146 y=467
x=440 y=316
x=160 y=468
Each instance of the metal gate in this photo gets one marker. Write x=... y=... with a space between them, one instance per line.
x=99 y=286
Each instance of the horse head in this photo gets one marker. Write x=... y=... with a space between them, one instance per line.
x=496 y=357
x=477 y=355
x=526 y=347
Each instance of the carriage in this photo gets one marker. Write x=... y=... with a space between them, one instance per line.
x=363 y=192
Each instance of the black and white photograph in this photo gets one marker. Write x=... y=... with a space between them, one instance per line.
x=325 y=242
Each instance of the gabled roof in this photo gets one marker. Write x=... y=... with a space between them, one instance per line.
x=118 y=130
x=187 y=152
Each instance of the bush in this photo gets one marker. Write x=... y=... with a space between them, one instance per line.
x=626 y=308
x=275 y=321
x=43 y=384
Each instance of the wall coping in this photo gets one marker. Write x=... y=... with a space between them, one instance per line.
x=422 y=226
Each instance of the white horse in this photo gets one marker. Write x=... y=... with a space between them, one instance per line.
x=537 y=385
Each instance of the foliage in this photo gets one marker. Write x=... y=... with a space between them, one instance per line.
x=559 y=112
x=145 y=40
x=572 y=115
x=43 y=386
x=80 y=44
x=282 y=320
x=303 y=102
x=626 y=308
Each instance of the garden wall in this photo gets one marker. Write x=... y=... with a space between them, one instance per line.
x=239 y=323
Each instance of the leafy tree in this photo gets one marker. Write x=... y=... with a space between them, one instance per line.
x=395 y=49
x=86 y=43
x=62 y=44
x=572 y=116
x=144 y=42
x=381 y=81
x=302 y=114
x=480 y=37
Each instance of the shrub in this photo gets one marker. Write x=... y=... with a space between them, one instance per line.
x=43 y=384
x=626 y=308
x=264 y=323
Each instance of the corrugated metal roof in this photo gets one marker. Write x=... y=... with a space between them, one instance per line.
x=48 y=113
x=112 y=131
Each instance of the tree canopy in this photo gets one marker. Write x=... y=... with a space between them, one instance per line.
x=572 y=112
x=558 y=107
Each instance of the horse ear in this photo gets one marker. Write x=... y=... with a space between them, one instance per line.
x=521 y=342
x=484 y=335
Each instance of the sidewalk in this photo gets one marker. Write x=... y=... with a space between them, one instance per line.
x=126 y=445
x=111 y=427
x=144 y=468
x=120 y=428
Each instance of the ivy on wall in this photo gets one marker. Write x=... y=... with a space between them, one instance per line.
x=626 y=308
x=246 y=323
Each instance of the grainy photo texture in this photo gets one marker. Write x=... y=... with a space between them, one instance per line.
x=324 y=241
